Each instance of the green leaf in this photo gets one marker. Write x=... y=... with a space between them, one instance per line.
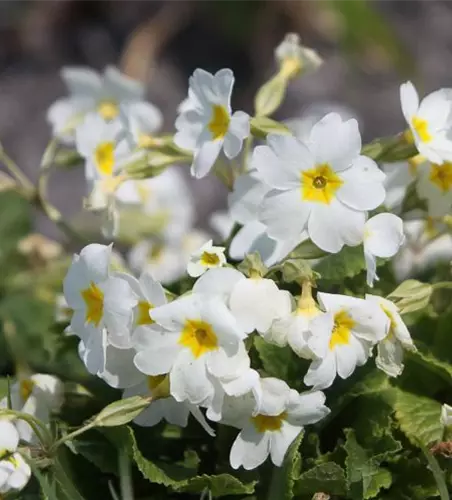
x=307 y=250
x=347 y=263
x=261 y=126
x=270 y=96
x=424 y=357
x=418 y=417
x=120 y=412
x=365 y=477
x=178 y=479
x=284 y=477
x=411 y=295
x=328 y=478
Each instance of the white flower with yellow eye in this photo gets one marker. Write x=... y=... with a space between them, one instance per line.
x=208 y=125
x=100 y=300
x=323 y=186
x=293 y=58
x=201 y=337
x=163 y=406
x=398 y=339
x=435 y=186
x=293 y=328
x=14 y=471
x=383 y=237
x=90 y=92
x=342 y=337
x=206 y=257
x=38 y=395
x=272 y=426
x=255 y=302
x=142 y=120
x=429 y=121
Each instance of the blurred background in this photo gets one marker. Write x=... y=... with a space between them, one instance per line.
x=369 y=48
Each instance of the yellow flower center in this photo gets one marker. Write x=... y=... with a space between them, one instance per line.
x=421 y=127
x=109 y=110
x=219 y=121
x=341 y=334
x=104 y=157
x=144 y=309
x=26 y=388
x=94 y=301
x=264 y=423
x=441 y=176
x=320 y=184
x=209 y=259
x=199 y=337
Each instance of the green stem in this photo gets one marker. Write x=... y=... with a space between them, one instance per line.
x=125 y=477
x=71 y=436
x=16 y=172
x=442 y=285
x=438 y=474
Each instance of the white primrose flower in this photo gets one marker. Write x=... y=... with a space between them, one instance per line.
x=435 y=186
x=201 y=336
x=293 y=58
x=142 y=121
x=399 y=176
x=270 y=427
x=166 y=199
x=323 y=186
x=208 y=126
x=166 y=262
x=383 y=237
x=446 y=415
x=293 y=329
x=100 y=300
x=206 y=257
x=424 y=246
x=90 y=92
x=429 y=122
x=342 y=337
x=14 y=471
x=222 y=223
x=163 y=405
x=38 y=395
x=398 y=338
x=255 y=302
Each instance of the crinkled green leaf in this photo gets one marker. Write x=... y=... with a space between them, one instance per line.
x=285 y=477
x=418 y=417
x=178 y=479
x=365 y=477
x=327 y=478
x=347 y=263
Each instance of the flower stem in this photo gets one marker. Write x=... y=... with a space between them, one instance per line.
x=125 y=478
x=16 y=172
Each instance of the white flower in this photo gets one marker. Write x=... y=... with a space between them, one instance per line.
x=208 y=125
x=435 y=186
x=424 y=246
x=446 y=415
x=163 y=405
x=342 y=337
x=166 y=199
x=90 y=92
x=399 y=176
x=222 y=223
x=270 y=428
x=166 y=262
x=200 y=337
x=142 y=121
x=9 y=437
x=206 y=257
x=383 y=236
x=38 y=395
x=99 y=300
x=14 y=473
x=255 y=302
x=324 y=186
x=429 y=121
x=63 y=312
x=390 y=349
x=293 y=328
x=294 y=58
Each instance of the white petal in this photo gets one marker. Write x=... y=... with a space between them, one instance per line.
x=205 y=158
x=345 y=360
x=281 y=440
x=321 y=328
x=218 y=282
x=390 y=357
x=321 y=372
x=284 y=214
x=384 y=235
x=120 y=371
x=92 y=352
x=222 y=83
x=81 y=81
x=250 y=449
x=157 y=361
x=306 y=408
x=9 y=437
x=239 y=125
x=409 y=100
x=371 y=268
x=243 y=241
x=246 y=198
x=232 y=146
x=275 y=396
x=335 y=142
